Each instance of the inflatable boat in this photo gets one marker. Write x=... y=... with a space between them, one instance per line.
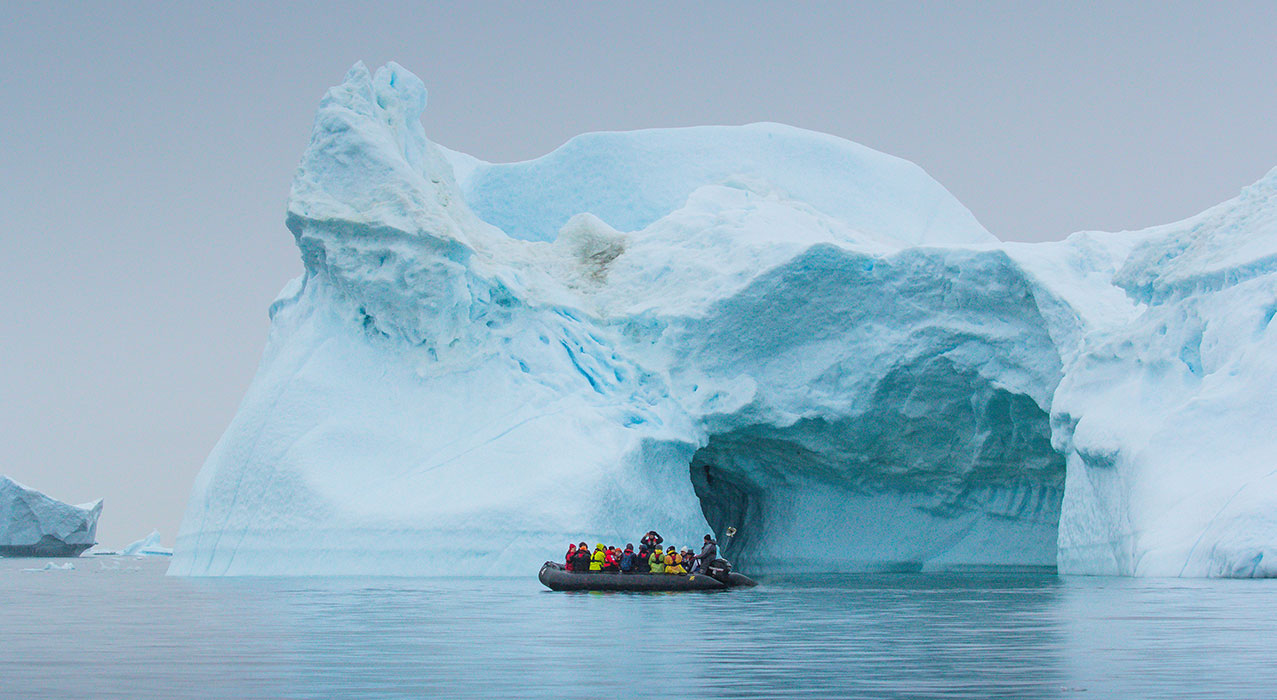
x=556 y=578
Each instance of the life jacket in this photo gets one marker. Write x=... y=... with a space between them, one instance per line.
x=674 y=565
x=609 y=559
x=596 y=561
x=656 y=563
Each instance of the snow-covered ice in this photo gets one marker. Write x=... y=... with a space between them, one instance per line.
x=758 y=326
x=33 y=524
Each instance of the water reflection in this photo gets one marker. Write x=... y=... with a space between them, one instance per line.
x=140 y=634
x=1171 y=637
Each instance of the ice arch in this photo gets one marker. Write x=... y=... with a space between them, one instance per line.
x=943 y=471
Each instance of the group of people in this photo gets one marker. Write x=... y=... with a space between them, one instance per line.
x=648 y=559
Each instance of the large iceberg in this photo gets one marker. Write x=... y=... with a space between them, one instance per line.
x=757 y=326
x=34 y=525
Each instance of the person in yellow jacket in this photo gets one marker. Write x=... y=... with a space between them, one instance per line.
x=673 y=562
x=596 y=559
x=656 y=561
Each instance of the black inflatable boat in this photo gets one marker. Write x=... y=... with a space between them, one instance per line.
x=556 y=578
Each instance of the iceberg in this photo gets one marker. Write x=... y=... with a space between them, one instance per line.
x=151 y=545
x=758 y=326
x=34 y=525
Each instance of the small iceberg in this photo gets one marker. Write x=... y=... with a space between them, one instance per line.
x=149 y=546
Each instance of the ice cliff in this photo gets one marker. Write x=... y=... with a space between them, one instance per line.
x=755 y=326
x=34 y=525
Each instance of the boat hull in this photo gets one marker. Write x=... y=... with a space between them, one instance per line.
x=556 y=578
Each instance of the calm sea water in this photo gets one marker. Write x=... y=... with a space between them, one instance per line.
x=118 y=628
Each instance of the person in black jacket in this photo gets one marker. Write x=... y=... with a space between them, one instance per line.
x=652 y=540
x=581 y=560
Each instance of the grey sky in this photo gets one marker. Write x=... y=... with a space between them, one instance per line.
x=146 y=152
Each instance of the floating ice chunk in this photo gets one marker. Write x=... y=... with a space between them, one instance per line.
x=54 y=567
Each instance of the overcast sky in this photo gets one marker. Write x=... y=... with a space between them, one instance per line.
x=146 y=152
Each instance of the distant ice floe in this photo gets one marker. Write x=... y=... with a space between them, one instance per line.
x=50 y=566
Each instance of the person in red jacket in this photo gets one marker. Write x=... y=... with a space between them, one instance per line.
x=567 y=561
x=610 y=562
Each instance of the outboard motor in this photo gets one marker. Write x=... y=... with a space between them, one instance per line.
x=719 y=569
